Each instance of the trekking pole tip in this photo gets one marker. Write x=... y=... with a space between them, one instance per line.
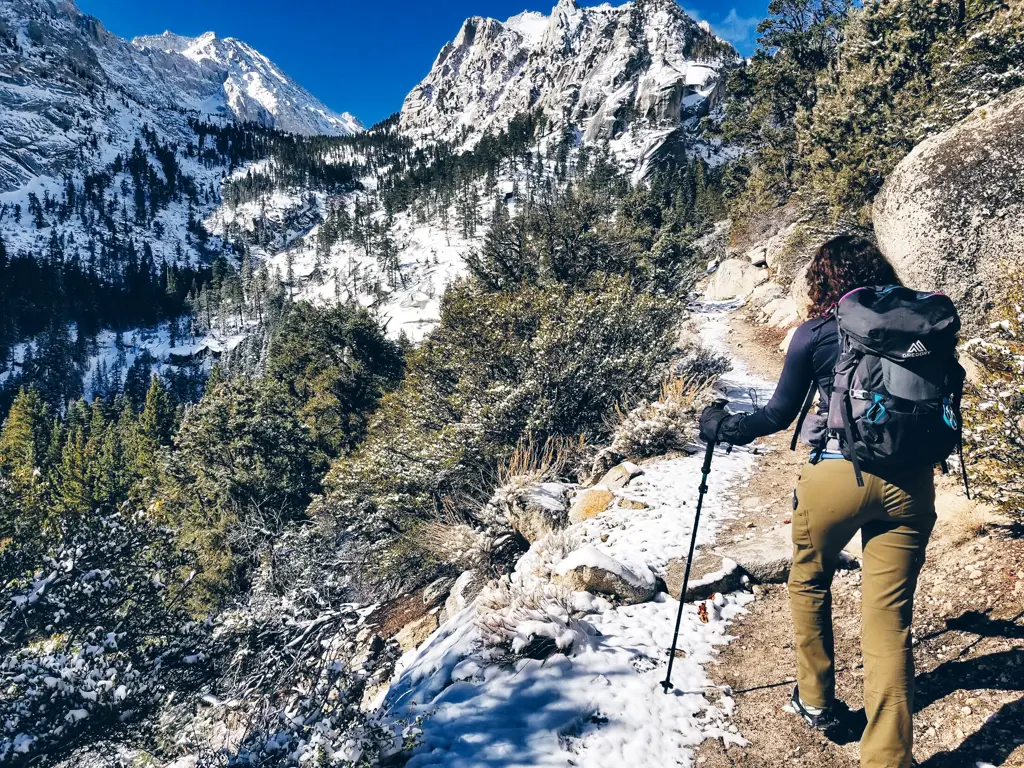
x=667 y=685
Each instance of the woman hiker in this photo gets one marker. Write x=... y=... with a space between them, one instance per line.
x=894 y=510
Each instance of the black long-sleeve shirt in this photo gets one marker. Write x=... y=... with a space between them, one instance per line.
x=812 y=356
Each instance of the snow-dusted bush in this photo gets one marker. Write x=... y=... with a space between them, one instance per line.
x=529 y=615
x=994 y=411
x=697 y=362
x=532 y=620
x=540 y=562
x=666 y=424
x=93 y=635
x=458 y=544
x=303 y=698
x=295 y=668
x=550 y=361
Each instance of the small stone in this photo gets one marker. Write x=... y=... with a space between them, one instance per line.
x=1020 y=575
x=758 y=590
x=966 y=710
x=604 y=538
x=633 y=504
x=930 y=733
x=975 y=575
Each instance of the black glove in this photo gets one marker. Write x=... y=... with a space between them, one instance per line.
x=718 y=425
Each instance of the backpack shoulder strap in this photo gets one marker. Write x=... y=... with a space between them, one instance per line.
x=804 y=410
x=847 y=414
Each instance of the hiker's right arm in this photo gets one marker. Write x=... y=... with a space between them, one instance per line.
x=782 y=410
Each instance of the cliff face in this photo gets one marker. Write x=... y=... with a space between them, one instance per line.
x=614 y=73
x=950 y=216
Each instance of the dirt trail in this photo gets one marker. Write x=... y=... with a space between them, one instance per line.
x=969 y=626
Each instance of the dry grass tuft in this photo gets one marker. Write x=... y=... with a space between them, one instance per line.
x=533 y=462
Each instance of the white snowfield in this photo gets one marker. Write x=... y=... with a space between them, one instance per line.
x=600 y=703
x=430 y=255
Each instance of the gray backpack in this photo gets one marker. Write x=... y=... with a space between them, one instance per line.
x=897 y=386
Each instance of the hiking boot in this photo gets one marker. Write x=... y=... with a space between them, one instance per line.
x=820 y=719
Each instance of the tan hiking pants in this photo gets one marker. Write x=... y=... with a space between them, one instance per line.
x=895 y=517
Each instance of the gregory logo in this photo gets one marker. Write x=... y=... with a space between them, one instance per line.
x=917 y=349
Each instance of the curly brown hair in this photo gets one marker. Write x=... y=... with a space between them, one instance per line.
x=841 y=265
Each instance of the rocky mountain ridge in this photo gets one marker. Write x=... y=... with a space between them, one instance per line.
x=628 y=75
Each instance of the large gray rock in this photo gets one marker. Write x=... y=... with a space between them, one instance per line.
x=951 y=215
x=466 y=588
x=734 y=279
x=768 y=252
x=767 y=556
x=590 y=570
x=800 y=293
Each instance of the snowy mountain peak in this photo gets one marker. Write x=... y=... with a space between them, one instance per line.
x=529 y=24
x=611 y=71
x=252 y=87
x=167 y=42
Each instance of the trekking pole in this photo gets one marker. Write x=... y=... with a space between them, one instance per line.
x=705 y=471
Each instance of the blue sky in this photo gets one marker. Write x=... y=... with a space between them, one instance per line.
x=361 y=56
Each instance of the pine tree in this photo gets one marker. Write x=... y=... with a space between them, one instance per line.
x=159 y=416
x=24 y=457
x=72 y=495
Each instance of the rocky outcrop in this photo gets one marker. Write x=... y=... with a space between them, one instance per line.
x=590 y=570
x=437 y=591
x=606 y=70
x=535 y=512
x=769 y=252
x=466 y=588
x=951 y=215
x=415 y=633
x=734 y=279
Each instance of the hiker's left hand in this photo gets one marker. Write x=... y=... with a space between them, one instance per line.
x=718 y=425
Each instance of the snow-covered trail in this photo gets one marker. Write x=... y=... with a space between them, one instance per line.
x=601 y=705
